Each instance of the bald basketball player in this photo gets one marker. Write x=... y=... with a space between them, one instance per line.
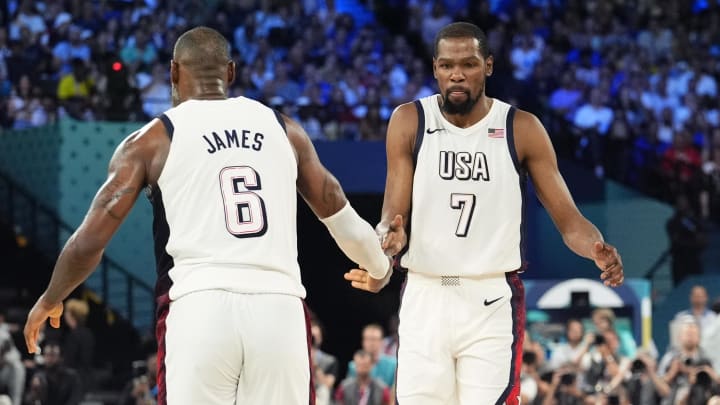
x=223 y=176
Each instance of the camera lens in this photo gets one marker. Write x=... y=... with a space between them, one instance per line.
x=637 y=366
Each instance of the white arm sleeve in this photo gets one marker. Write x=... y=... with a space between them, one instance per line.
x=357 y=239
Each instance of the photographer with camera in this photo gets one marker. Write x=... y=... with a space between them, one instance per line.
x=645 y=386
x=604 y=364
x=564 y=388
x=703 y=384
x=681 y=363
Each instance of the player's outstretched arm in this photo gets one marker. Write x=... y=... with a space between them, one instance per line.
x=83 y=250
x=580 y=235
x=323 y=193
x=400 y=144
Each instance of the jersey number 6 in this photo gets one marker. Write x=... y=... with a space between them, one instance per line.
x=245 y=215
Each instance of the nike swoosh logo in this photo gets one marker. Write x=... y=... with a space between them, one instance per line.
x=492 y=302
x=432 y=131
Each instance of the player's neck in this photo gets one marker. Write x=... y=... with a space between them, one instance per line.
x=206 y=90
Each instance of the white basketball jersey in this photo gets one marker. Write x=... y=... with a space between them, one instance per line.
x=225 y=205
x=468 y=195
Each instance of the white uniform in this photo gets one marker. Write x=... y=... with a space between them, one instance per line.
x=462 y=312
x=231 y=321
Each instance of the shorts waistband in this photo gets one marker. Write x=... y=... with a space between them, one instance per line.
x=451 y=280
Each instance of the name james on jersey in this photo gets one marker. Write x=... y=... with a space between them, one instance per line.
x=217 y=141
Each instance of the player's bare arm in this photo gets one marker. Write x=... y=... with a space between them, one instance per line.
x=318 y=187
x=536 y=153
x=325 y=196
x=127 y=175
x=400 y=144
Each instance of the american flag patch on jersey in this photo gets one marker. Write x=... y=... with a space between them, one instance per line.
x=496 y=132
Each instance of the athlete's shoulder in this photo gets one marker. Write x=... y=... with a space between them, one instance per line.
x=524 y=120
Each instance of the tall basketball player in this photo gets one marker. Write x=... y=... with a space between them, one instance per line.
x=460 y=160
x=223 y=176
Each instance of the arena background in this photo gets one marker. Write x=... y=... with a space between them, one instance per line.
x=52 y=160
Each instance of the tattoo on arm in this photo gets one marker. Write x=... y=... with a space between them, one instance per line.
x=113 y=193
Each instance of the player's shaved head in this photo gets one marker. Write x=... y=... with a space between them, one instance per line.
x=201 y=67
x=202 y=48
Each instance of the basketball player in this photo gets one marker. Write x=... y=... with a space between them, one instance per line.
x=460 y=160
x=222 y=176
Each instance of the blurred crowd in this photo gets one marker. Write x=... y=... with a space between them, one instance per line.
x=630 y=87
x=596 y=361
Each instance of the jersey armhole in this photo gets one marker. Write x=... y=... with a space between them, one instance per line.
x=420 y=130
x=169 y=127
x=280 y=119
x=511 y=140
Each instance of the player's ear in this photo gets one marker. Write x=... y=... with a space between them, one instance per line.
x=435 y=68
x=489 y=63
x=174 y=72
x=231 y=72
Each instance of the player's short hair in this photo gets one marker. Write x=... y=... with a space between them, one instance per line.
x=463 y=30
x=201 y=47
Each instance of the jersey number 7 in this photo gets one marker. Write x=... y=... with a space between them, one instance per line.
x=466 y=204
x=245 y=215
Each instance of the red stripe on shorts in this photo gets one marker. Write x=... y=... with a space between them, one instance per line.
x=163 y=307
x=511 y=395
x=311 y=400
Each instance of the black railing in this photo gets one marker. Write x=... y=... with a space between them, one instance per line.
x=45 y=230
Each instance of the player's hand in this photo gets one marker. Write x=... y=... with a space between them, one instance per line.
x=608 y=260
x=39 y=313
x=361 y=279
x=393 y=238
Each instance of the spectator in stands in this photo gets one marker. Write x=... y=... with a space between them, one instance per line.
x=362 y=387
x=27 y=16
x=687 y=240
x=327 y=363
x=594 y=120
x=566 y=99
x=139 y=50
x=710 y=193
x=12 y=371
x=307 y=117
x=142 y=389
x=75 y=89
x=154 y=90
x=678 y=363
x=391 y=341
x=573 y=348
x=563 y=389
x=79 y=342
x=55 y=384
x=644 y=385
x=604 y=365
x=604 y=320
x=383 y=367
x=681 y=167
x=529 y=378
x=75 y=47
x=698 y=308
